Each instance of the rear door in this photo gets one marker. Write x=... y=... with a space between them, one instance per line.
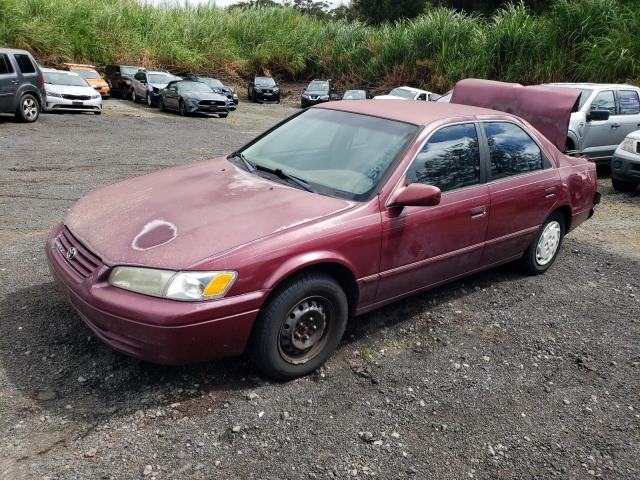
x=628 y=112
x=522 y=186
x=8 y=84
x=424 y=246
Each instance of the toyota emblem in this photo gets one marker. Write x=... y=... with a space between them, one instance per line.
x=71 y=253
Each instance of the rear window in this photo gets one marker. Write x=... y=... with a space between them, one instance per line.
x=629 y=102
x=5 y=65
x=25 y=63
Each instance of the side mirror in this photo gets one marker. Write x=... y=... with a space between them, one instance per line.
x=416 y=195
x=598 y=115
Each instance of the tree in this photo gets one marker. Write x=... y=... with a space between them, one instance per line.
x=312 y=7
x=380 y=11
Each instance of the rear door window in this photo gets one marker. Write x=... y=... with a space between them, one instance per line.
x=24 y=63
x=5 y=65
x=629 y=102
x=512 y=150
x=604 y=101
x=449 y=160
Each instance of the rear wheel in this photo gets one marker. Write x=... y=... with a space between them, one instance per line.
x=622 y=186
x=544 y=249
x=28 y=108
x=300 y=327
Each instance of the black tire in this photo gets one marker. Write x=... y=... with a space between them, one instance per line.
x=622 y=186
x=28 y=109
x=182 y=108
x=272 y=347
x=133 y=96
x=223 y=115
x=534 y=262
x=97 y=113
x=149 y=100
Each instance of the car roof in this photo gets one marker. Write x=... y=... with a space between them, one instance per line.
x=413 y=89
x=589 y=85
x=13 y=50
x=417 y=113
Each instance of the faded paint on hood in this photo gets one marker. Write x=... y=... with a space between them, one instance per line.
x=548 y=109
x=177 y=217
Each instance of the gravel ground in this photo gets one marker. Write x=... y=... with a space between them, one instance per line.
x=496 y=376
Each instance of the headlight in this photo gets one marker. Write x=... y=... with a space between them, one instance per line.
x=324 y=97
x=259 y=90
x=276 y=90
x=235 y=96
x=186 y=286
x=629 y=145
x=97 y=95
x=53 y=94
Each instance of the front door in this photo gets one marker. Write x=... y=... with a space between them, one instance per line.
x=424 y=246
x=8 y=84
x=522 y=185
x=602 y=137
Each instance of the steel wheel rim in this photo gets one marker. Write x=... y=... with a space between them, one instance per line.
x=306 y=329
x=548 y=243
x=29 y=108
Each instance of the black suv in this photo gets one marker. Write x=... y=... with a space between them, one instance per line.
x=319 y=91
x=119 y=78
x=21 y=85
x=263 y=89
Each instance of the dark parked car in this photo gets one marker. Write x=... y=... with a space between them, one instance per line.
x=263 y=89
x=119 y=78
x=187 y=97
x=318 y=91
x=22 y=89
x=218 y=87
x=355 y=95
x=146 y=85
x=272 y=248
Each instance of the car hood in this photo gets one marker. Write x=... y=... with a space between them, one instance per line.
x=205 y=96
x=159 y=86
x=70 y=89
x=98 y=82
x=319 y=93
x=178 y=217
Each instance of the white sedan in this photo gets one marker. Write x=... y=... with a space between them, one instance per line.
x=407 y=93
x=68 y=91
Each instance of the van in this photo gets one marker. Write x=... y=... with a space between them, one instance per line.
x=21 y=85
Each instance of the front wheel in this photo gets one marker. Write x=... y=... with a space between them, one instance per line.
x=544 y=248
x=622 y=186
x=133 y=96
x=182 y=108
x=149 y=100
x=28 y=108
x=299 y=327
x=223 y=115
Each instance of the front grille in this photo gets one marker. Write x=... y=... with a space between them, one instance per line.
x=84 y=262
x=266 y=91
x=219 y=103
x=75 y=97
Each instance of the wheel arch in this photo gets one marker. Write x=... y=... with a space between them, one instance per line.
x=337 y=269
x=565 y=211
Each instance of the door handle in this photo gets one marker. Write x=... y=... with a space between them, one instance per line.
x=478 y=212
x=615 y=125
x=15 y=82
x=550 y=192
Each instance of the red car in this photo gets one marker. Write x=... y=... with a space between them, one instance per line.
x=339 y=210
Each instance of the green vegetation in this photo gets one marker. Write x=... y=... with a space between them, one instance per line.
x=586 y=40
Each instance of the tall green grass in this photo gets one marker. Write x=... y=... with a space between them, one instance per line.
x=577 y=40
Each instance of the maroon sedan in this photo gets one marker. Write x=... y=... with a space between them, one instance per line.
x=339 y=210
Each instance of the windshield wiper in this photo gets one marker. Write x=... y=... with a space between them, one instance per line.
x=248 y=165
x=278 y=172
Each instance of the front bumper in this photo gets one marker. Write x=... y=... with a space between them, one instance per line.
x=55 y=104
x=152 y=329
x=625 y=166
x=267 y=97
x=103 y=90
x=207 y=109
x=308 y=102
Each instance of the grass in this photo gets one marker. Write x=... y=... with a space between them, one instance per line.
x=577 y=40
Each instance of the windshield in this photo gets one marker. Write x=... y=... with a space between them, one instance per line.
x=162 y=78
x=318 y=87
x=212 y=82
x=402 y=93
x=355 y=95
x=129 y=70
x=59 y=78
x=265 y=82
x=337 y=153
x=195 y=87
x=92 y=74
